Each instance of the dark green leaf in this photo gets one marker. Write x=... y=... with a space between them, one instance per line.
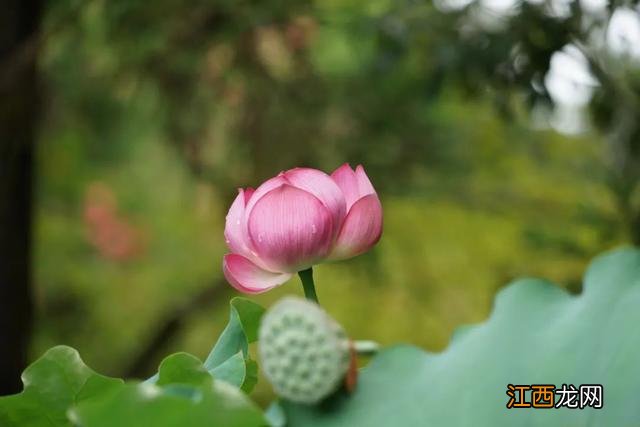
x=251 y=375
x=51 y=385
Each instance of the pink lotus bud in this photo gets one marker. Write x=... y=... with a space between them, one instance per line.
x=297 y=219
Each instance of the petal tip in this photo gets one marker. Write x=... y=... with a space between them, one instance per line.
x=247 y=277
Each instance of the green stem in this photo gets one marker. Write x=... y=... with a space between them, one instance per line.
x=366 y=347
x=306 y=276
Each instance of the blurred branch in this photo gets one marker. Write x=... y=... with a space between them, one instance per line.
x=621 y=137
x=174 y=323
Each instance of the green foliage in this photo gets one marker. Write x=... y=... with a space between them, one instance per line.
x=61 y=390
x=185 y=395
x=52 y=384
x=230 y=358
x=238 y=371
x=241 y=330
x=537 y=334
x=182 y=368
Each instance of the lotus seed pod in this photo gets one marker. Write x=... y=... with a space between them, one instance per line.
x=304 y=353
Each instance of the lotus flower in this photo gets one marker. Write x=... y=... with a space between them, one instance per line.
x=297 y=219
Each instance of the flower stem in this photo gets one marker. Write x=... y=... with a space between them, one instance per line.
x=306 y=276
x=366 y=347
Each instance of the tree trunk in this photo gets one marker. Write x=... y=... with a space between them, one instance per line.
x=19 y=25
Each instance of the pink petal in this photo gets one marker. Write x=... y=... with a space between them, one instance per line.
x=248 y=192
x=247 y=277
x=235 y=225
x=364 y=185
x=290 y=229
x=263 y=189
x=251 y=199
x=361 y=229
x=346 y=179
x=324 y=188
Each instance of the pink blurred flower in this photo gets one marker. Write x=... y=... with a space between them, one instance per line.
x=113 y=235
x=297 y=219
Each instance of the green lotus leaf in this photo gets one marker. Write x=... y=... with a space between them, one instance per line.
x=52 y=384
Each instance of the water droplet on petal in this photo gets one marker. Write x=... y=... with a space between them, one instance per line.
x=237 y=222
x=260 y=237
x=313 y=229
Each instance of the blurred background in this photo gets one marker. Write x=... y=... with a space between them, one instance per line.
x=501 y=135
